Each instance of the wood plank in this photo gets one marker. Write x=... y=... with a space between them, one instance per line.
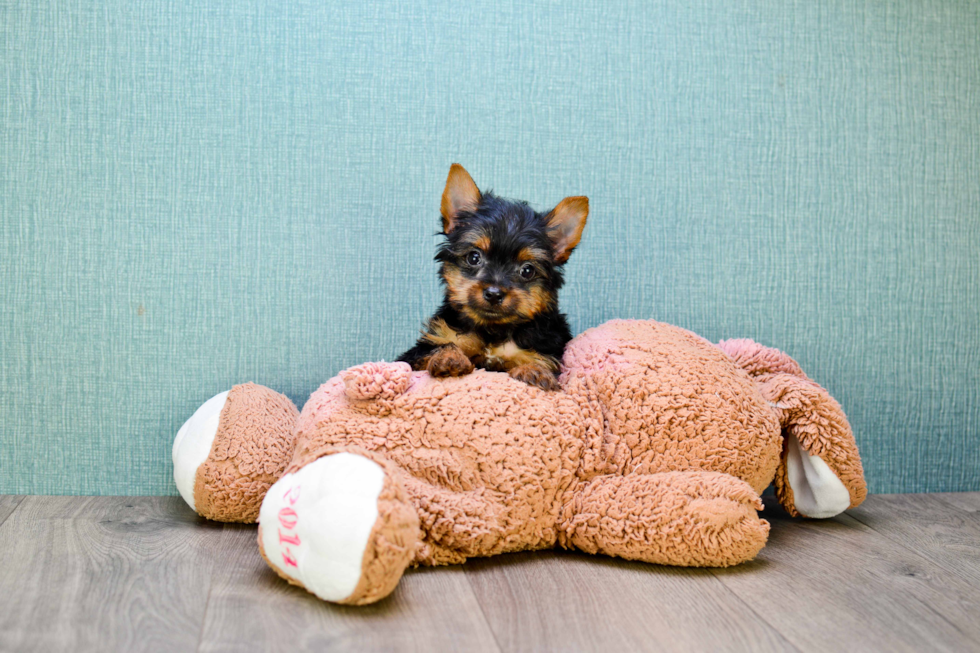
x=838 y=585
x=81 y=573
x=965 y=501
x=8 y=503
x=562 y=601
x=926 y=524
x=104 y=573
x=252 y=609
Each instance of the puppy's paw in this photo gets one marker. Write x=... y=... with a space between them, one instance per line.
x=449 y=361
x=536 y=376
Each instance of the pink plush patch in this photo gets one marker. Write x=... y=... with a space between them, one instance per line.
x=757 y=359
x=376 y=380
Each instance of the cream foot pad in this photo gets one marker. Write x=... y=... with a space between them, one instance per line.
x=316 y=523
x=817 y=492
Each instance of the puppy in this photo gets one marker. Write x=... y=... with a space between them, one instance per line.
x=501 y=265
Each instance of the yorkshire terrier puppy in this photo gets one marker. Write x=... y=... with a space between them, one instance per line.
x=501 y=264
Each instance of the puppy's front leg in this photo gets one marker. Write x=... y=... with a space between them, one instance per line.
x=538 y=375
x=526 y=365
x=451 y=351
x=419 y=355
x=449 y=360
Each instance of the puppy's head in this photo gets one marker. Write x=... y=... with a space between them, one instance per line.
x=501 y=260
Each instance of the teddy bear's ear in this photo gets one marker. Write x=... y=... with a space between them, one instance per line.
x=460 y=196
x=376 y=380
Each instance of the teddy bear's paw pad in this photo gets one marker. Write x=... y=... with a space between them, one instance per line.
x=193 y=444
x=817 y=491
x=316 y=523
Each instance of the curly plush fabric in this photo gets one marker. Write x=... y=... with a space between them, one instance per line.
x=756 y=359
x=672 y=401
x=484 y=458
x=656 y=449
x=674 y=518
x=253 y=444
x=493 y=465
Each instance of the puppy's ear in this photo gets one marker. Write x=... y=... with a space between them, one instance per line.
x=565 y=224
x=461 y=195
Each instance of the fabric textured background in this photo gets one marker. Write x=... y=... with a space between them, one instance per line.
x=195 y=195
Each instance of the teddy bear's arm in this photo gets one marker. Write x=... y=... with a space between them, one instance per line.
x=693 y=519
x=456 y=525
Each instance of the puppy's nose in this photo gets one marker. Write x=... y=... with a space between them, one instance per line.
x=493 y=295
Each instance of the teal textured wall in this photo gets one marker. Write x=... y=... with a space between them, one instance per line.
x=195 y=195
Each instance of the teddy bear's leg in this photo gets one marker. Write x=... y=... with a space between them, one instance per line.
x=455 y=525
x=820 y=473
x=232 y=449
x=691 y=519
x=341 y=527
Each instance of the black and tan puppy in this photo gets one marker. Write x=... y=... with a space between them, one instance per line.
x=501 y=264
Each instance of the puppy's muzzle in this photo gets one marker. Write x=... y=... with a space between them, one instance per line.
x=494 y=295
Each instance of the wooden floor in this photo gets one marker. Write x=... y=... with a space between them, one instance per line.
x=902 y=572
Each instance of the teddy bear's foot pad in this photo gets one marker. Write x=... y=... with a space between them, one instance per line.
x=817 y=491
x=193 y=444
x=316 y=523
x=339 y=527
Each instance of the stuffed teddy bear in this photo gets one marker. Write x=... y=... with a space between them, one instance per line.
x=656 y=448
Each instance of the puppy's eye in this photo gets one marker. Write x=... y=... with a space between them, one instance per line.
x=527 y=272
x=474 y=257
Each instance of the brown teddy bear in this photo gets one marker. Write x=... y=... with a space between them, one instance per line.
x=656 y=449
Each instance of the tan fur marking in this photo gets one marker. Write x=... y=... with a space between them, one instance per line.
x=534 y=301
x=483 y=321
x=483 y=242
x=439 y=333
x=531 y=254
x=507 y=356
x=458 y=286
